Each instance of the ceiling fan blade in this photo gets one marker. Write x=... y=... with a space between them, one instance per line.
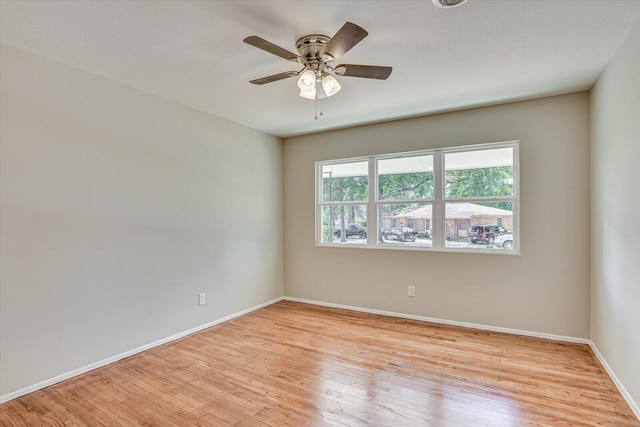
x=347 y=37
x=275 y=77
x=260 y=43
x=366 y=71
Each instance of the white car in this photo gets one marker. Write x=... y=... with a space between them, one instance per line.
x=504 y=241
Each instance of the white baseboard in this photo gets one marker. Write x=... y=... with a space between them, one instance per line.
x=91 y=367
x=445 y=322
x=623 y=391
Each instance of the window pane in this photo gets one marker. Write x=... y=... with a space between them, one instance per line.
x=405 y=178
x=405 y=224
x=344 y=224
x=345 y=182
x=481 y=173
x=480 y=225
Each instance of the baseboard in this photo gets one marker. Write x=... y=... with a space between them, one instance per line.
x=91 y=367
x=445 y=322
x=623 y=391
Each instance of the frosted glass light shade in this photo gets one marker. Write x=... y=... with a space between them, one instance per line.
x=330 y=85
x=307 y=81
x=309 y=94
x=320 y=93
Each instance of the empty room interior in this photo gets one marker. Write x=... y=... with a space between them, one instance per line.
x=305 y=213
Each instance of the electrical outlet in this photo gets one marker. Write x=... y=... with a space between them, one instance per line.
x=202 y=299
x=411 y=291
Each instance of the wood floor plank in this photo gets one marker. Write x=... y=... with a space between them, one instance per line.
x=293 y=364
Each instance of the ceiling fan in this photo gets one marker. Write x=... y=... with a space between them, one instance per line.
x=315 y=52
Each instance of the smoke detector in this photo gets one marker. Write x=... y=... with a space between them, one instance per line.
x=445 y=4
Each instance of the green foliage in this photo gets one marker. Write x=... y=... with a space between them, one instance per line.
x=327 y=230
x=348 y=188
x=402 y=186
x=484 y=182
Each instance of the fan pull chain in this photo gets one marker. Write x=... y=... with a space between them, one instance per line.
x=321 y=112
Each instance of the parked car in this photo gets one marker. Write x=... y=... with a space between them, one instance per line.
x=351 y=230
x=401 y=234
x=485 y=233
x=504 y=241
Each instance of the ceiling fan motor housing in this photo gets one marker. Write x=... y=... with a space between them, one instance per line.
x=311 y=47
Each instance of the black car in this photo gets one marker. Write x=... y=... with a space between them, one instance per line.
x=485 y=233
x=401 y=234
x=351 y=230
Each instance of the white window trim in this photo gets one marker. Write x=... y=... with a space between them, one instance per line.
x=438 y=202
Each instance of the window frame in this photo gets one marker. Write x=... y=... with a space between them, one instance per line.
x=438 y=201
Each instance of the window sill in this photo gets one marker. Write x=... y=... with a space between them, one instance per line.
x=487 y=251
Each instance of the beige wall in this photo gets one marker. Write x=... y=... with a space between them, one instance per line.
x=117 y=209
x=546 y=289
x=615 y=176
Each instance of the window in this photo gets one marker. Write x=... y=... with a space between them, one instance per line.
x=463 y=198
x=479 y=189
x=345 y=193
x=405 y=190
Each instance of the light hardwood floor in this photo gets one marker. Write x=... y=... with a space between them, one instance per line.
x=293 y=364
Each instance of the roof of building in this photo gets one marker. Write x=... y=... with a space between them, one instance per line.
x=455 y=211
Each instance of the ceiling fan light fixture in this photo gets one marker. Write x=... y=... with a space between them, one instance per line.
x=330 y=85
x=448 y=3
x=307 y=81
x=309 y=94
x=320 y=93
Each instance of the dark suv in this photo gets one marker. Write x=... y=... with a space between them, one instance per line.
x=352 y=230
x=485 y=233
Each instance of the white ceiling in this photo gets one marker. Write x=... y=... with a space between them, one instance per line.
x=191 y=52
